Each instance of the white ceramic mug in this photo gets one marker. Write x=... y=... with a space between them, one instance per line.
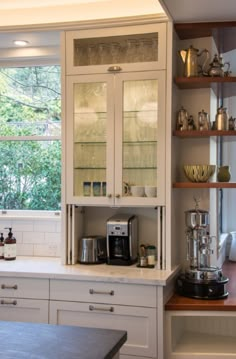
x=137 y=191
x=150 y=191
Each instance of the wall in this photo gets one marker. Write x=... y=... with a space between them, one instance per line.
x=36 y=235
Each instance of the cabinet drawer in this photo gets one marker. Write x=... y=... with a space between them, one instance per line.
x=99 y=292
x=24 y=310
x=24 y=287
x=139 y=322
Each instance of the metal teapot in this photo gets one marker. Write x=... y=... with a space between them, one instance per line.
x=190 y=60
x=182 y=119
x=217 y=67
x=203 y=121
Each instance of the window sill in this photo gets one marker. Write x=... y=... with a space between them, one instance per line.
x=35 y=215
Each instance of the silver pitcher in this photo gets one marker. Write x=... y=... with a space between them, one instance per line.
x=222 y=121
x=203 y=121
x=182 y=119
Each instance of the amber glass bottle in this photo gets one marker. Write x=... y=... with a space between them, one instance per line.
x=1 y=246
x=10 y=246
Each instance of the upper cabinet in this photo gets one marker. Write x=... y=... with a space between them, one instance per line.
x=115 y=115
x=115 y=139
x=126 y=48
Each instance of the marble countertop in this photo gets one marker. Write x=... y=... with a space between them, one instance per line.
x=40 y=267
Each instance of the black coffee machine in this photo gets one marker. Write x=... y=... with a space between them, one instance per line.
x=122 y=239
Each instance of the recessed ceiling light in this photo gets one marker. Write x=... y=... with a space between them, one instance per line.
x=20 y=42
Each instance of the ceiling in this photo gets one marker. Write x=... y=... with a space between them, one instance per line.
x=201 y=10
x=22 y=14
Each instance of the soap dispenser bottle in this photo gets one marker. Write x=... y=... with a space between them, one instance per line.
x=1 y=246
x=10 y=246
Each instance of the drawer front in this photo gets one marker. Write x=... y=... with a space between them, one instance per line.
x=139 y=322
x=99 y=292
x=24 y=310
x=24 y=288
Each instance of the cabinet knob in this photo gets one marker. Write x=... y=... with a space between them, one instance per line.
x=109 y=195
x=117 y=195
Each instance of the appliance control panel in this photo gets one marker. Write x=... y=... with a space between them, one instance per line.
x=117 y=229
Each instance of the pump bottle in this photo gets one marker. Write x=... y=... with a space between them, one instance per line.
x=1 y=246
x=10 y=246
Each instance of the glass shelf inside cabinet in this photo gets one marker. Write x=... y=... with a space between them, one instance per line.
x=116 y=49
x=140 y=129
x=90 y=138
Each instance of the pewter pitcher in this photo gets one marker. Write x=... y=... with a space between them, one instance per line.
x=190 y=60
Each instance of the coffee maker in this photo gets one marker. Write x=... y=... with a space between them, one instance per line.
x=122 y=239
x=201 y=280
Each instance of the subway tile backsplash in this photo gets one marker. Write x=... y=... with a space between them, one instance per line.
x=35 y=236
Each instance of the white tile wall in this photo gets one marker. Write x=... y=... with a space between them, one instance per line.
x=36 y=235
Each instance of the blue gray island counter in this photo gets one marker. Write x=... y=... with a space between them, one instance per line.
x=47 y=341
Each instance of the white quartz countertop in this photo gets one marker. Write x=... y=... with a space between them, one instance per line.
x=39 y=267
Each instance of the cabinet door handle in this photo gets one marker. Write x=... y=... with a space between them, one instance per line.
x=109 y=195
x=117 y=195
x=92 y=307
x=114 y=68
x=4 y=286
x=92 y=291
x=13 y=302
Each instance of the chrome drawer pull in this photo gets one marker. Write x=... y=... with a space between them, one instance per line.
x=111 y=309
x=4 y=286
x=13 y=302
x=114 y=68
x=92 y=291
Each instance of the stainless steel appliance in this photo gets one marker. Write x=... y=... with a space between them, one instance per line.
x=122 y=239
x=200 y=280
x=92 y=250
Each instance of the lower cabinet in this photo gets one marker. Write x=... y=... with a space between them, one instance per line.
x=200 y=334
x=139 y=322
x=129 y=307
x=24 y=310
x=24 y=299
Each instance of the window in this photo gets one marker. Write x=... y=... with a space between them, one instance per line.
x=30 y=142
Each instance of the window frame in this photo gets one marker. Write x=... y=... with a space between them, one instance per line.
x=7 y=213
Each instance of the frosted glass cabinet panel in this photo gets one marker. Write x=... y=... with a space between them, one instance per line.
x=90 y=123
x=116 y=139
x=132 y=47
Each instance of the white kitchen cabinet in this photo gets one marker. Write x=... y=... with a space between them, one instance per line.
x=24 y=310
x=24 y=299
x=139 y=322
x=101 y=292
x=115 y=138
x=132 y=47
x=200 y=334
x=109 y=305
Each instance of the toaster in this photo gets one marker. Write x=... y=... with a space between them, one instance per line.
x=92 y=250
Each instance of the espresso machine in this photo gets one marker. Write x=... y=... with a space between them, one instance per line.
x=201 y=279
x=122 y=239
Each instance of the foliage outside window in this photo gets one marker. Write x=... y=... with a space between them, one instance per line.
x=30 y=146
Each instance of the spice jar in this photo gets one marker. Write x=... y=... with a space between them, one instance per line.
x=151 y=255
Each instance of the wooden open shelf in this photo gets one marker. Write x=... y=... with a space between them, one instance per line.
x=204 y=185
x=202 y=82
x=196 y=133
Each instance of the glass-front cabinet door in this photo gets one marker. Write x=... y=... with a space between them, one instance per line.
x=132 y=48
x=140 y=156
x=115 y=135
x=89 y=133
